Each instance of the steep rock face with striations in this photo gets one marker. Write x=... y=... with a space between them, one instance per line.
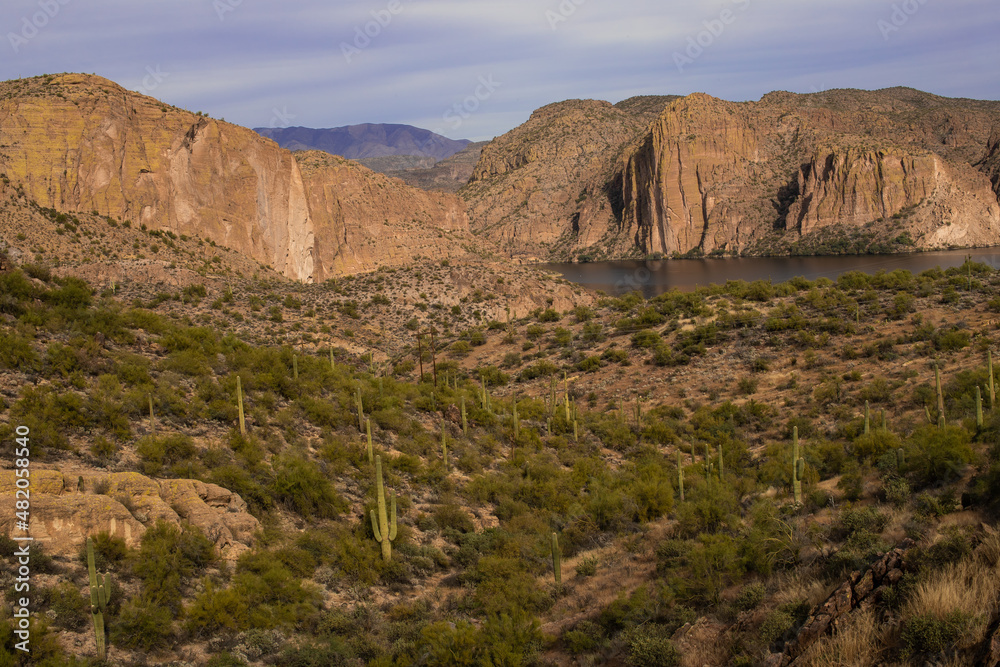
x=81 y=143
x=539 y=189
x=400 y=223
x=720 y=177
x=897 y=168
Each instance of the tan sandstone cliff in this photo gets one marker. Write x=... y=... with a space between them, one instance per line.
x=706 y=175
x=81 y=143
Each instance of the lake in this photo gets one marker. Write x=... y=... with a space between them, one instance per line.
x=654 y=277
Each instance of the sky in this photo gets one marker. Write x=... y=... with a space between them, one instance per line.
x=474 y=69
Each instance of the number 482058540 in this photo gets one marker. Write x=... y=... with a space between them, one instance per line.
x=22 y=473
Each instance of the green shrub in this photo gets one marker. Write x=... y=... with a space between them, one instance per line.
x=157 y=453
x=750 y=596
x=299 y=484
x=935 y=455
x=650 y=646
x=142 y=625
x=168 y=556
x=929 y=634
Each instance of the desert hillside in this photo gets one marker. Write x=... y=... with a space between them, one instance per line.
x=803 y=473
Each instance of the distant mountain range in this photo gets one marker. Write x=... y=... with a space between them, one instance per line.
x=369 y=140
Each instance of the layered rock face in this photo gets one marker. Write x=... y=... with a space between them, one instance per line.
x=81 y=143
x=67 y=509
x=540 y=187
x=709 y=176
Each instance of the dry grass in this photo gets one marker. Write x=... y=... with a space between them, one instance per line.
x=969 y=588
x=854 y=644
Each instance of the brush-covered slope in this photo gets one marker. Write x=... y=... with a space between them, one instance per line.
x=80 y=143
x=788 y=173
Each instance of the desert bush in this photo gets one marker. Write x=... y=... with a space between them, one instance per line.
x=650 y=646
x=937 y=455
x=168 y=556
x=299 y=484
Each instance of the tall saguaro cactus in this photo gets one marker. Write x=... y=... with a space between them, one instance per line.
x=359 y=403
x=556 y=560
x=867 y=419
x=465 y=420
x=798 y=466
x=979 y=408
x=99 y=595
x=239 y=404
x=383 y=527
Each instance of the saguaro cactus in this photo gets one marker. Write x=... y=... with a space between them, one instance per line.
x=721 y=469
x=556 y=560
x=566 y=395
x=517 y=420
x=333 y=364
x=798 y=466
x=239 y=404
x=867 y=419
x=383 y=527
x=371 y=448
x=359 y=403
x=979 y=408
x=295 y=367
x=465 y=420
x=99 y=595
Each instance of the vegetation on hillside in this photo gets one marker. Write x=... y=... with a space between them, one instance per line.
x=546 y=434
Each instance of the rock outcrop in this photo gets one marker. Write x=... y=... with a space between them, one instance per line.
x=66 y=509
x=860 y=590
x=80 y=143
x=539 y=189
x=708 y=176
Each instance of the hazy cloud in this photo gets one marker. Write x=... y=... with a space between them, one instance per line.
x=413 y=61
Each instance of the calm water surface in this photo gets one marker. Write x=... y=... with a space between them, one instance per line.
x=655 y=277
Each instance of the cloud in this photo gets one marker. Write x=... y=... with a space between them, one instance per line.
x=412 y=61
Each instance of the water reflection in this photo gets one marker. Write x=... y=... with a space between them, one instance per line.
x=658 y=276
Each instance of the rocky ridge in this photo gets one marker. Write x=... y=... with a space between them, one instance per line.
x=80 y=143
x=704 y=176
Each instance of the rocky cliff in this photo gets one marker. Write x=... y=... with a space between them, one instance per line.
x=80 y=143
x=903 y=168
x=540 y=188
